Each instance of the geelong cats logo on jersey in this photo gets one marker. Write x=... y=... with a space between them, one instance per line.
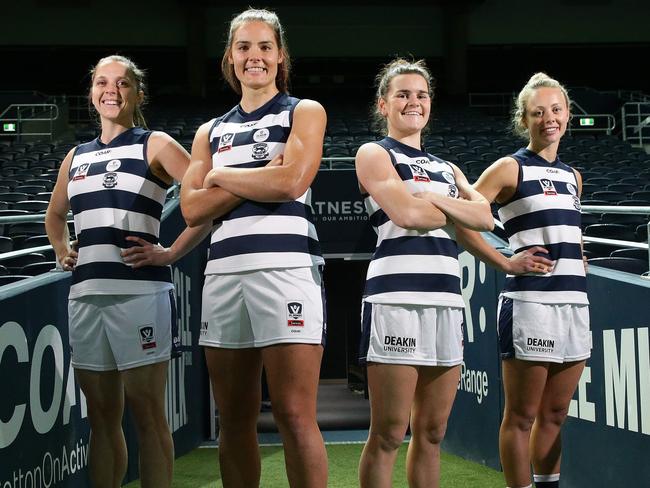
x=419 y=174
x=110 y=180
x=294 y=314
x=260 y=151
x=147 y=337
x=547 y=186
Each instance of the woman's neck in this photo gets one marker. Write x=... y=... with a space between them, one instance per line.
x=549 y=153
x=110 y=130
x=414 y=139
x=252 y=99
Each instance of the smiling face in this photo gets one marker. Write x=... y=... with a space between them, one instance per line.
x=407 y=105
x=546 y=117
x=255 y=55
x=114 y=93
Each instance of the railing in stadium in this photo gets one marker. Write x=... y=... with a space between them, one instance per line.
x=635 y=118
x=13 y=118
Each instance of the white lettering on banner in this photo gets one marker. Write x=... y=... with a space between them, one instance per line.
x=176 y=405
x=52 y=470
x=621 y=379
x=473 y=381
x=466 y=261
x=346 y=210
x=12 y=335
x=582 y=408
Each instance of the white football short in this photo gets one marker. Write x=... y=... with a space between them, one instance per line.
x=109 y=332
x=264 y=307
x=411 y=334
x=551 y=332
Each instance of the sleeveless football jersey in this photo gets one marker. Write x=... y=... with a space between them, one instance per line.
x=113 y=194
x=412 y=266
x=545 y=211
x=260 y=235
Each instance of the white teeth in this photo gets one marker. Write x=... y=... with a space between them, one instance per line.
x=111 y=102
x=255 y=68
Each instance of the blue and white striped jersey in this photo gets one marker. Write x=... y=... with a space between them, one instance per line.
x=113 y=194
x=545 y=211
x=412 y=266
x=259 y=235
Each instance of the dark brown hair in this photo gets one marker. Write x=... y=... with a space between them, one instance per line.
x=270 y=19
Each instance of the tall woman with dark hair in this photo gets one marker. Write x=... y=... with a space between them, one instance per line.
x=412 y=307
x=263 y=302
x=122 y=317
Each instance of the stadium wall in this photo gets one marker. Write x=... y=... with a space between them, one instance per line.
x=43 y=417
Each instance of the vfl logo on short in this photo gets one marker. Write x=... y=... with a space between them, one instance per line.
x=225 y=142
x=82 y=172
x=419 y=174
x=294 y=314
x=147 y=338
x=204 y=329
x=547 y=186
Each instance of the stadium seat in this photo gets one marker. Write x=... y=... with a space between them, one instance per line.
x=622 y=187
x=609 y=196
x=641 y=195
x=631 y=219
x=599 y=250
x=35 y=269
x=13 y=196
x=26 y=229
x=31 y=189
x=34 y=241
x=642 y=233
x=17 y=262
x=629 y=265
x=621 y=232
x=641 y=254
x=3 y=270
x=6 y=244
x=634 y=203
x=8 y=279
x=31 y=205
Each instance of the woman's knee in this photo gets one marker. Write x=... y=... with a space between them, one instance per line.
x=432 y=433
x=388 y=440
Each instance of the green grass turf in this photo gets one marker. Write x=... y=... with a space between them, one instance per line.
x=200 y=469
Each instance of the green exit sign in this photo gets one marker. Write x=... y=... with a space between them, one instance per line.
x=586 y=121
x=9 y=127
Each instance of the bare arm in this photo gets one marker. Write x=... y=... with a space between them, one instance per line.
x=56 y=224
x=169 y=161
x=499 y=182
x=522 y=262
x=202 y=205
x=301 y=160
x=472 y=210
x=378 y=177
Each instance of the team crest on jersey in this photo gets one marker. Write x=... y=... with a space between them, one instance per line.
x=261 y=135
x=81 y=172
x=576 y=203
x=547 y=186
x=113 y=165
x=453 y=191
x=110 y=180
x=571 y=189
x=419 y=174
x=147 y=337
x=294 y=314
x=225 y=142
x=449 y=177
x=260 y=151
